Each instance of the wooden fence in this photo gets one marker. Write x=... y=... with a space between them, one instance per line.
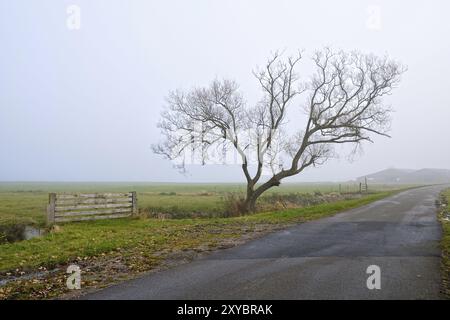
x=67 y=207
x=363 y=186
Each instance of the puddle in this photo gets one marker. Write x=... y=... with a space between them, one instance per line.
x=19 y=232
x=34 y=275
x=32 y=232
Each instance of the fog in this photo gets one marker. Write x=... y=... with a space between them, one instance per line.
x=82 y=104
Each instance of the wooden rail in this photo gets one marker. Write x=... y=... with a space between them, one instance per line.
x=66 y=207
x=363 y=187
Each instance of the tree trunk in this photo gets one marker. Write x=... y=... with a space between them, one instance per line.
x=250 y=199
x=250 y=204
x=253 y=195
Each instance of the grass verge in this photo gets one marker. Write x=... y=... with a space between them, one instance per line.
x=444 y=217
x=114 y=250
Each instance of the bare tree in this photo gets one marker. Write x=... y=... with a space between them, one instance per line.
x=343 y=105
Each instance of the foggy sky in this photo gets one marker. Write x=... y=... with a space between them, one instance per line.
x=83 y=104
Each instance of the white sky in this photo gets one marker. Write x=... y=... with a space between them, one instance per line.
x=83 y=104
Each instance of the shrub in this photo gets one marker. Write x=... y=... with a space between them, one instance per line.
x=11 y=233
x=234 y=204
x=168 y=193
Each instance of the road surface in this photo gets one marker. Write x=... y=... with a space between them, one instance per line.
x=322 y=259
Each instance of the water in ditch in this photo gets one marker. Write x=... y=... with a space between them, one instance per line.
x=19 y=232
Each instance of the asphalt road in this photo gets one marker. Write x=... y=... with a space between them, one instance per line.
x=322 y=259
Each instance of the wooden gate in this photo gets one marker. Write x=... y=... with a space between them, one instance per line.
x=65 y=207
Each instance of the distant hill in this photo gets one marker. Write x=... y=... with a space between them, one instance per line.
x=407 y=176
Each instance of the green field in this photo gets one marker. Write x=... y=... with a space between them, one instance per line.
x=26 y=202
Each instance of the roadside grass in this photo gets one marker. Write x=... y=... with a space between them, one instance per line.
x=444 y=216
x=316 y=211
x=25 y=203
x=109 y=251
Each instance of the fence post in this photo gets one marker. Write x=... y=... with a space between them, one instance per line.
x=51 y=208
x=134 y=200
